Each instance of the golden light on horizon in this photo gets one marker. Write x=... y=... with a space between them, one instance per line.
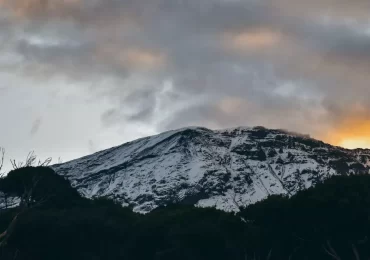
x=352 y=133
x=355 y=143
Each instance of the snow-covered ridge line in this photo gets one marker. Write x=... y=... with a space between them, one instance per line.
x=222 y=168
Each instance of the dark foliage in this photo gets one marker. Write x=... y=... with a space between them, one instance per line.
x=334 y=214
x=331 y=219
x=39 y=185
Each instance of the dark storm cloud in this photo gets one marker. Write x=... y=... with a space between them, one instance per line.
x=78 y=61
x=144 y=101
x=140 y=105
x=280 y=63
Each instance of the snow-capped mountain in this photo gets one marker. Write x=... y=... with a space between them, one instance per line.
x=223 y=169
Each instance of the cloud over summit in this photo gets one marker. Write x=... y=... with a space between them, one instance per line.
x=155 y=65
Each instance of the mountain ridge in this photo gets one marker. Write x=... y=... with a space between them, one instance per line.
x=225 y=168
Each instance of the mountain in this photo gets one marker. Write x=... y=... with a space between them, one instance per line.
x=225 y=169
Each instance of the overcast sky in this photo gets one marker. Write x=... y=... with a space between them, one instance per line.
x=77 y=76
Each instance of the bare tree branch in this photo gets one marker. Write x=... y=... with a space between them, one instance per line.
x=16 y=254
x=2 y=155
x=330 y=250
x=30 y=161
x=31 y=158
x=355 y=252
x=294 y=251
x=46 y=162
x=5 y=235
x=235 y=202
x=16 y=165
x=269 y=255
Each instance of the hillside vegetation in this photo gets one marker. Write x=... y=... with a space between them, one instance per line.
x=52 y=221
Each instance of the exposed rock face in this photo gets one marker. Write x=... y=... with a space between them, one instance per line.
x=223 y=169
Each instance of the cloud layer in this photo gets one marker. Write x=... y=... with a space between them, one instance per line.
x=127 y=68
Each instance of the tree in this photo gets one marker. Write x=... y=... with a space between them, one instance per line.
x=2 y=174
x=36 y=187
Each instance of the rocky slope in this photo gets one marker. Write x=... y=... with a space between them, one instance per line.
x=223 y=169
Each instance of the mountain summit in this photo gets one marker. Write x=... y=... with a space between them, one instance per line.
x=225 y=169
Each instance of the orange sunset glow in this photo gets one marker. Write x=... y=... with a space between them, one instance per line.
x=353 y=133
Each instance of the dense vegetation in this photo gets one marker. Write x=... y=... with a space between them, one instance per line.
x=330 y=221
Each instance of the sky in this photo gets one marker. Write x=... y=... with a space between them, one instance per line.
x=78 y=76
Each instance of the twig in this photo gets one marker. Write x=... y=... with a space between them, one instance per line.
x=2 y=155
x=355 y=252
x=330 y=251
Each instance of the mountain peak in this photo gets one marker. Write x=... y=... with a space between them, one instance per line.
x=225 y=169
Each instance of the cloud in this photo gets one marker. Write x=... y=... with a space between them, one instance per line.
x=35 y=126
x=356 y=9
x=139 y=105
x=292 y=64
x=132 y=57
x=92 y=148
x=231 y=105
x=256 y=40
x=39 y=8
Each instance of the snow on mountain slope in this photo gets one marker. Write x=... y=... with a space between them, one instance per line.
x=223 y=169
